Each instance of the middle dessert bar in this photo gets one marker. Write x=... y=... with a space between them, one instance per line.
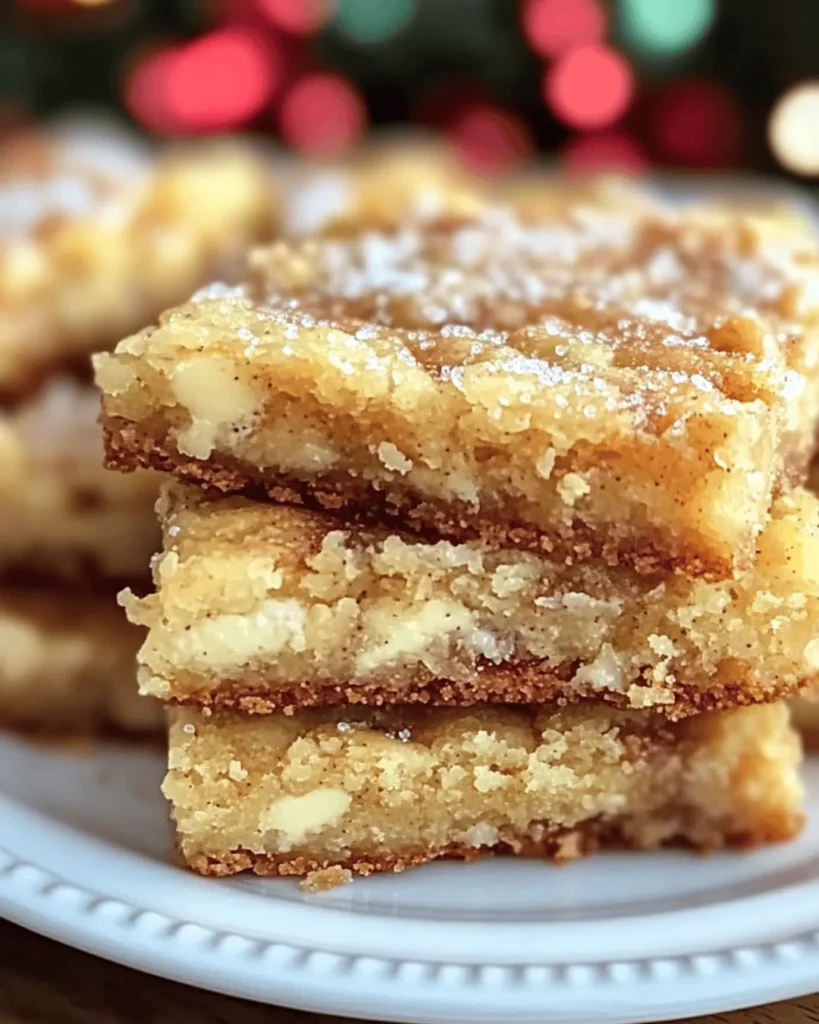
x=634 y=388
x=263 y=607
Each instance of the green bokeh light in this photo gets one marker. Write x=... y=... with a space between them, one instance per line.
x=665 y=26
x=370 y=21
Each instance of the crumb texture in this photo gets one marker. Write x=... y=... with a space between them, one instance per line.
x=365 y=790
x=264 y=607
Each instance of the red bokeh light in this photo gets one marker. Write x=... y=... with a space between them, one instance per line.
x=589 y=87
x=322 y=115
x=301 y=17
x=490 y=140
x=697 y=123
x=223 y=79
x=554 y=26
x=146 y=92
x=219 y=81
x=604 y=151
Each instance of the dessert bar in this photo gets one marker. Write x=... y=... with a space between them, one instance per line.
x=629 y=387
x=62 y=514
x=68 y=665
x=96 y=240
x=263 y=607
x=365 y=790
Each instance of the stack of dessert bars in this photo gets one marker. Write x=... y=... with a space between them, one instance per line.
x=484 y=536
x=96 y=238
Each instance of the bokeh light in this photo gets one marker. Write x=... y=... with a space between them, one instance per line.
x=665 y=26
x=223 y=79
x=301 y=17
x=793 y=129
x=373 y=21
x=322 y=115
x=217 y=82
x=604 y=151
x=589 y=87
x=489 y=139
x=697 y=123
x=146 y=92
x=554 y=26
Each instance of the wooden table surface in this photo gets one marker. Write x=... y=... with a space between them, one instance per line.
x=42 y=982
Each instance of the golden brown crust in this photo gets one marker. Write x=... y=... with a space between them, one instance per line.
x=127 y=448
x=558 y=846
x=522 y=683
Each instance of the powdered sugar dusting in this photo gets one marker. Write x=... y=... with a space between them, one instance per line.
x=590 y=312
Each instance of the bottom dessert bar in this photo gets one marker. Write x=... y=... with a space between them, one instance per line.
x=371 y=790
x=68 y=665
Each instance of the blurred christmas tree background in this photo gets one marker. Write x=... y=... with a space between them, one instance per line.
x=598 y=84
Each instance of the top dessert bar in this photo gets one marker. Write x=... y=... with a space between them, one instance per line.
x=632 y=387
x=96 y=240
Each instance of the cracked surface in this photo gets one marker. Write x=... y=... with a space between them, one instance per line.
x=262 y=607
x=372 y=790
x=630 y=387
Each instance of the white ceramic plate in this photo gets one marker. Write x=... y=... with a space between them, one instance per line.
x=84 y=858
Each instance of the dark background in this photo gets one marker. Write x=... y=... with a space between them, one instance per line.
x=628 y=84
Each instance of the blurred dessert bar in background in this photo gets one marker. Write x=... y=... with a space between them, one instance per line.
x=97 y=235
x=62 y=514
x=385 y=185
x=68 y=664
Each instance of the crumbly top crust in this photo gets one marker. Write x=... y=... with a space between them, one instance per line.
x=582 y=305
